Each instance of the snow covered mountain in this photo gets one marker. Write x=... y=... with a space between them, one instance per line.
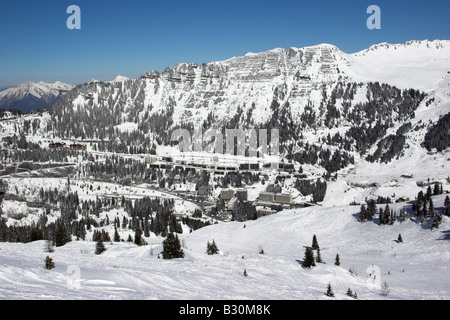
x=367 y=125
x=299 y=76
x=30 y=96
x=318 y=97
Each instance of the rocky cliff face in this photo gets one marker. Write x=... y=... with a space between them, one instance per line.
x=320 y=99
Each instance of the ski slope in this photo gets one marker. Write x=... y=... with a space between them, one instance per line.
x=418 y=268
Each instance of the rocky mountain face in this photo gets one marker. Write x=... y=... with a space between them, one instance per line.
x=31 y=96
x=328 y=105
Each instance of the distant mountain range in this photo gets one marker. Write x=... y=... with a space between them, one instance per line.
x=31 y=96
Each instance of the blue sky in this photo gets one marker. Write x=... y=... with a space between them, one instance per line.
x=135 y=36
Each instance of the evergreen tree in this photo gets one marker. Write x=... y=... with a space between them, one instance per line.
x=436 y=189
x=337 y=260
x=100 y=247
x=363 y=214
x=245 y=273
x=349 y=292
x=172 y=247
x=329 y=292
x=420 y=201
x=368 y=213
x=318 y=256
x=393 y=217
x=371 y=208
x=387 y=214
x=424 y=212
x=431 y=211
x=308 y=260
x=315 y=244
x=437 y=220
x=403 y=214
x=138 y=237
x=116 y=235
x=400 y=239
x=429 y=193
x=61 y=237
x=447 y=206
x=49 y=264
x=211 y=248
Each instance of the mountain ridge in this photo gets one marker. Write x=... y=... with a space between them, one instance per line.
x=29 y=96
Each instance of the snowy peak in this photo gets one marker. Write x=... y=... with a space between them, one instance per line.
x=119 y=78
x=39 y=90
x=413 y=44
x=414 y=64
x=32 y=96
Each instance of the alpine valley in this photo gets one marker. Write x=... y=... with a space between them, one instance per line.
x=96 y=183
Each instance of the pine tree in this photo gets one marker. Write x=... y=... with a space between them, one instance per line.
x=61 y=237
x=429 y=193
x=386 y=214
x=116 y=235
x=337 y=260
x=49 y=264
x=431 y=211
x=329 y=292
x=420 y=201
x=371 y=208
x=400 y=239
x=211 y=248
x=308 y=260
x=424 y=211
x=315 y=244
x=100 y=247
x=138 y=237
x=318 y=256
x=437 y=220
x=436 y=189
x=349 y=292
x=369 y=213
x=447 y=206
x=172 y=247
x=245 y=273
x=363 y=214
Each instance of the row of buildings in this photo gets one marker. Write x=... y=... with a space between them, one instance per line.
x=168 y=163
x=61 y=145
x=266 y=203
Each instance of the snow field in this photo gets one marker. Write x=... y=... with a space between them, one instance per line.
x=418 y=268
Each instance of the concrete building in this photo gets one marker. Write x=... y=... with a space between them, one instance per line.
x=226 y=194
x=283 y=198
x=266 y=196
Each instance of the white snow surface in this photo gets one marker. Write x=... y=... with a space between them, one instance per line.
x=418 y=268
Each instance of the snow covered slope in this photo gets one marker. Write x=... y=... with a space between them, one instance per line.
x=401 y=176
x=418 y=268
x=414 y=64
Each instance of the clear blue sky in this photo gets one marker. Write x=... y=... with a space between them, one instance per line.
x=135 y=36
